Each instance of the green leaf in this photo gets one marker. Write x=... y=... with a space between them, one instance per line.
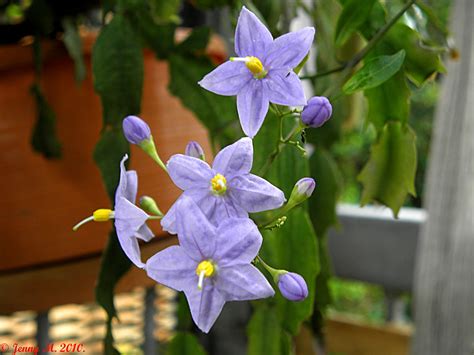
x=293 y=247
x=73 y=44
x=40 y=17
x=196 y=41
x=374 y=72
x=389 y=101
x=108 y=153
x=354 y=14
x=323 y=297
x=264 y=332
x=389 y=174
x=328 y=186
x=217 y=113
x=117 y=64
x=44 y=137
x=421 y=61
x=184 y=343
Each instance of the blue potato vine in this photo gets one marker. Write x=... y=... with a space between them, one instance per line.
x=219 y=242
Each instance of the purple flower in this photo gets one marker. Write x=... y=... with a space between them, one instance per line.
x=211 y=265
x=316 y=112
x=292 y=286
x=225 y=190
x=135 y=129
x=263 y=71
x=193 y=149
x=129 y=219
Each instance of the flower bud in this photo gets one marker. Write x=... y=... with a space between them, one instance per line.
x=193 y=149
x=292 y=286
x=316 y=112
x=135 y=129
x=149 y=205
x=302 y=191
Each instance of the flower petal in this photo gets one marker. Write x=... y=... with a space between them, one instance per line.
x=205 y=305
x=252 y=38
x=284 y=88
x=128 y=217
x=252 y=106
x=128 y=183
x=289 y=50
x=130 y=247
x=235 y=159
x=243 y=282
x=237 y=242
x=195 y=233
x=189 y=172
x=172 y=267
x=145 y=233
x=227 y=79
x=168 y=222
x=255 y=194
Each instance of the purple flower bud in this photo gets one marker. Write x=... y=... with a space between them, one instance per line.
x=193 y=149
x=293 y=287
x=305 y=186
x=135 y=129
x=316 y=112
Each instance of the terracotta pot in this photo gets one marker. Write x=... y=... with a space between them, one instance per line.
x=42 y=199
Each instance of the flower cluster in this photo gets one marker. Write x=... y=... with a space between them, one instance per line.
x=219 y=243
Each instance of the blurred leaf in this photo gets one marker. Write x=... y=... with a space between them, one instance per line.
x=113 y=266
x=196 y=41
x=354 y=14
x=183 y=313
x=216 y=112
x=421 y=61
x=374 y=72
x=158 y=37
x=390 y=173
x=185 y=344
x=44 y=137
x=389 y=101
x=117 y=64
x=73 y=44
x=264 y=332
x=165 y=11
x=328 y=187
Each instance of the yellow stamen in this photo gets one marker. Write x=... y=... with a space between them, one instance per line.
x=102 y=215
x=253 y=64
x=204 y=269
x=219 y=184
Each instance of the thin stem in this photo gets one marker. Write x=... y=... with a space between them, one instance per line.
x=279 y=146
x=372 y=43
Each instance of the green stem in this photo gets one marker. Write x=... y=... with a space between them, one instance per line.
x=274 y=272
x=279 y=146
x=372 y=43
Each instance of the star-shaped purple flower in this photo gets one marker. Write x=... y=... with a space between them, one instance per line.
x=263 y=72
x=130 y=219
x=212 y=265
x=225 y=190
